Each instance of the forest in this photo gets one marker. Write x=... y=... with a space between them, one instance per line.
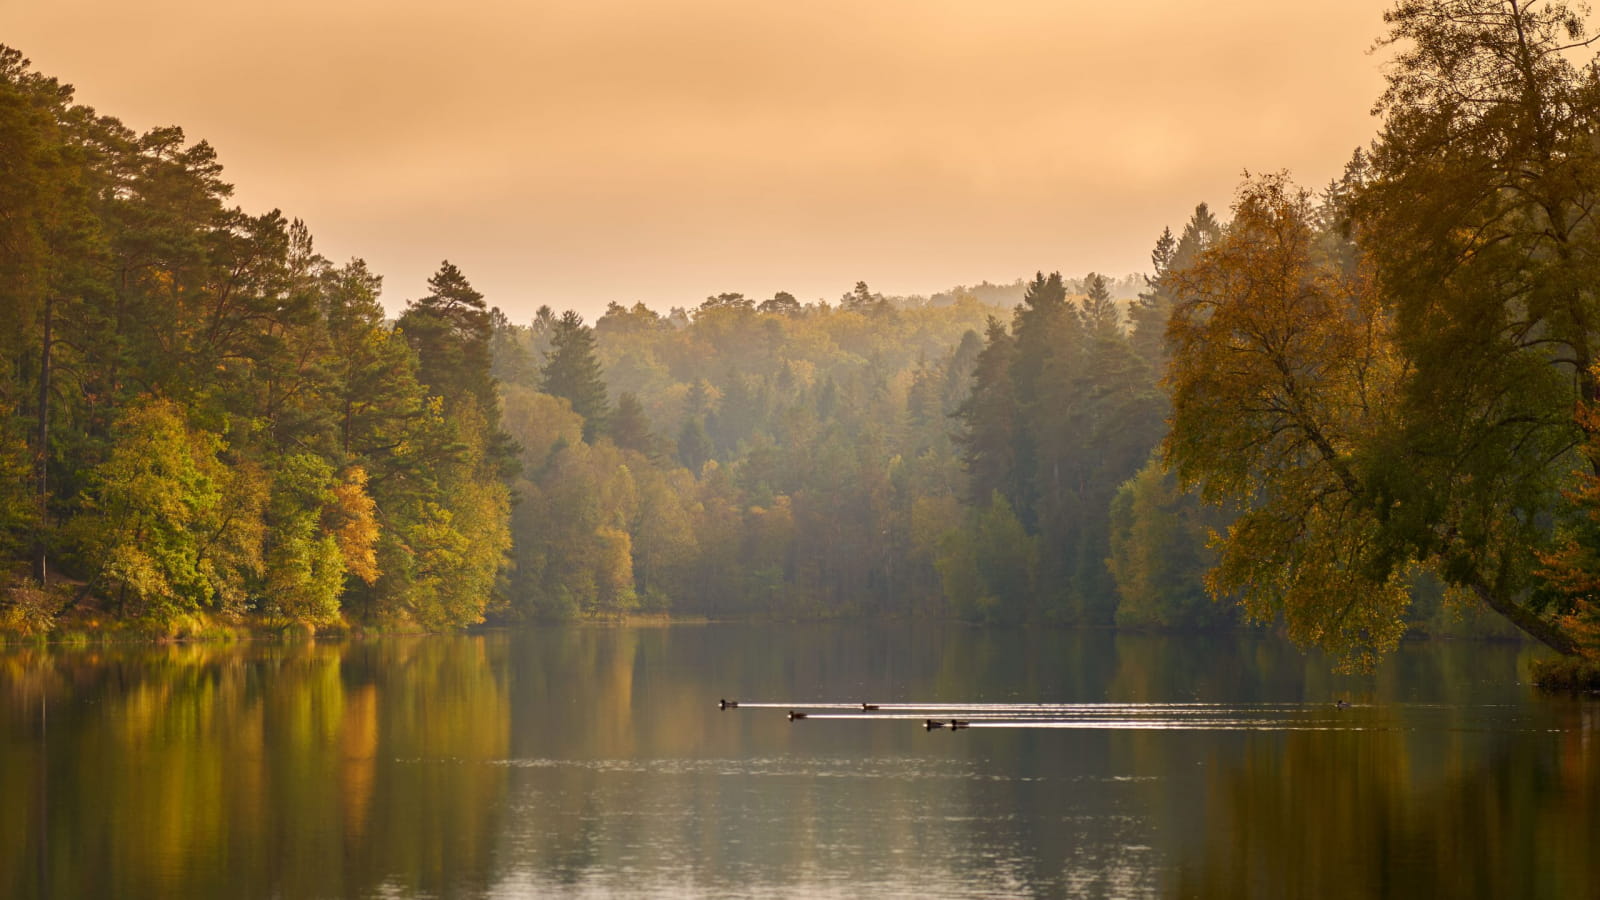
x=1349 y=413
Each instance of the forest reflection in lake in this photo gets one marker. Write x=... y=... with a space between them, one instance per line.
x=594 y=760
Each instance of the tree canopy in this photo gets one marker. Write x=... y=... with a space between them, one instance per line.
x=1399 y=379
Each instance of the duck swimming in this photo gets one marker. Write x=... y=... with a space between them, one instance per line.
x=796 y=715
x=727 y=704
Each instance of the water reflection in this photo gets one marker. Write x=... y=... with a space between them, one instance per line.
x=594 y=761
x=264 y=771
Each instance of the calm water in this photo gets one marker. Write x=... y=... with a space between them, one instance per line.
x=594 y=762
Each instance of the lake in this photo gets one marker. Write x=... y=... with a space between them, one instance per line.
x=593 y=761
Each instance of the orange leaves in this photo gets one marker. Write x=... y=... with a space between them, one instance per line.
x=1572 y=569
x=351 y=517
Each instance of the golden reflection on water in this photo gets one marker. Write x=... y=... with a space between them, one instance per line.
x=262 y=770
x=594 y=760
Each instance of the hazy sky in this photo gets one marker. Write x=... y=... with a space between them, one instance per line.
x=573 y=153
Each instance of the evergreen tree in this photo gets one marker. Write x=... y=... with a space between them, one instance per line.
x=694 y=445
x=863 y=299
x=1099 y=312
x=572 y=372
x=1043 y=321
x=782 y=303
x=1149 y=312
x=630 y=430
x=988 y=438
x=958 y=372
x=1152 y=310
x=451 y=330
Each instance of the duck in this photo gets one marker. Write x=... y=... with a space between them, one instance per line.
x=931 y=724
x=727 y=704
x=796 y=715
x=869 y=706
x=957 y=723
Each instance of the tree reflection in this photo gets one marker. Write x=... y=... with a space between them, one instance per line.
x=594 y=760
x=305 y=770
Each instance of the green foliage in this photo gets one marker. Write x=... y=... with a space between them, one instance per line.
x=990 y=437
x=305 y=569
x=1400 y=379
x=574 y=545
x=450 y=330
x=222 y=422
x=788 y=489
x=1159 y=554
x=782 y=303
x=19 y=512
x=146 y=503
x=987 y=570
x=572 y=372
x=814 y=470
x=1060 y=413
x=1483 y=188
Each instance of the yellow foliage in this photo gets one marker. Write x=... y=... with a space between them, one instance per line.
x=1283 y=368
x=614 y=569
x=352 y=519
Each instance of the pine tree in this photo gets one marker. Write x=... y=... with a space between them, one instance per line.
x=988 y=438
x=629 y=428
x=1098 y=311
x=572 y=371
x=1148 y=314
x=1043 y=321
x=782 y=303
x=451 y=330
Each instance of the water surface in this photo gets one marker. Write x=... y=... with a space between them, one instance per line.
x=589 y=761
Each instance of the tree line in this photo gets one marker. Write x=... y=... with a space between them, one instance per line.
x=205 y=418
x=1350 y=412
x=834 y=459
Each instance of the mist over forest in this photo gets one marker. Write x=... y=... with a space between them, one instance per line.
x=1270 y=567
x=236 y=429
x=1380 y=388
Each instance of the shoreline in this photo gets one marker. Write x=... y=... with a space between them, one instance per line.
x=87 y=629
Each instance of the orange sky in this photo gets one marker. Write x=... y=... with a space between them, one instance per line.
x=573 y=153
